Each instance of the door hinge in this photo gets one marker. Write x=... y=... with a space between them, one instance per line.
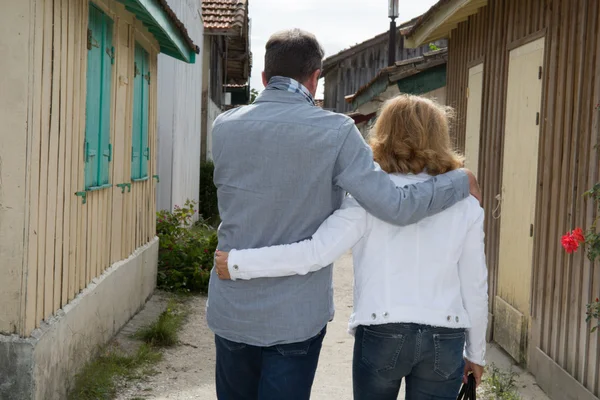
x=91 y=42
x=537 y=118
x=111 y=53
x=147 y=77
x=540 y=73
x=136 y=71
x=531 y=230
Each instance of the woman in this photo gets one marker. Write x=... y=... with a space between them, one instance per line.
x=420 y=291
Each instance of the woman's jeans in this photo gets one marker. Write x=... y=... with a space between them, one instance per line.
x=430 y=360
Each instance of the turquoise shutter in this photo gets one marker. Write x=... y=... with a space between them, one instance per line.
x=97 y=147
x=140 y=151
x=93 y=100
x=136 y=133
x=145 y=117
x=107 y=66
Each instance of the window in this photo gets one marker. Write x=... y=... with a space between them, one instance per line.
x=140 y=152
x=97 y=147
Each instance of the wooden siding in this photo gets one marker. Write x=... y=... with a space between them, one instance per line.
x=358 y=69
x=568 y=165
x=70 y=243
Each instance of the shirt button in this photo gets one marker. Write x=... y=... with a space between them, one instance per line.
x=373 y=316
x=385 y=315
x=236 y=267
x=456 y=319
x=449 y=318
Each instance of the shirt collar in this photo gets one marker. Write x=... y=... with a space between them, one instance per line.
x=290 y=85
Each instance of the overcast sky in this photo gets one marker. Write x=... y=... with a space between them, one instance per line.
x=338 y=24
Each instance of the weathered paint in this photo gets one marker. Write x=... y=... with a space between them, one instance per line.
x=426 y=81
x=42 y=366
x=14 y=111
x=562 y=353
x=158 y=23
x=473 y=124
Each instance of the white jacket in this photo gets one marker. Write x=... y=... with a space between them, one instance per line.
x=432 y=272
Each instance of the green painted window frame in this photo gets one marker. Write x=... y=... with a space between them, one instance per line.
x=100 y=61
x=140 y=148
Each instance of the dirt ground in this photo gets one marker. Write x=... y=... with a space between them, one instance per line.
x=187 y=371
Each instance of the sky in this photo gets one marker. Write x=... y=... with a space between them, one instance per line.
x=338 y=24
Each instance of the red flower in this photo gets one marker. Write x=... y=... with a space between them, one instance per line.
x=578 y=235
x=569 y=243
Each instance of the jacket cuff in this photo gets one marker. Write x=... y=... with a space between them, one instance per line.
x=233 y=265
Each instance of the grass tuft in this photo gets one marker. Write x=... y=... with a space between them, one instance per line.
x=98 y=379
x=499 y=385
x=164 y=332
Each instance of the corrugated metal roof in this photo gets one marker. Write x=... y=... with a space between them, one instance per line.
x=224 y=15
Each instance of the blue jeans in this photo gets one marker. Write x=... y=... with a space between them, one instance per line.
x=279 y=372
x=429 y=359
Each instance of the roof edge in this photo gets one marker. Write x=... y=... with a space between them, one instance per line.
x=440 y=20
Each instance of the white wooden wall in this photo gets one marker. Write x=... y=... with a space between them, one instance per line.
x=179 y=116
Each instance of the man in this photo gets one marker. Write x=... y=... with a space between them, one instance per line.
x=282 y=166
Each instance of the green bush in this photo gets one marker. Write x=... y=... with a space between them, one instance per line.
x=209 y=208
x=186 y=253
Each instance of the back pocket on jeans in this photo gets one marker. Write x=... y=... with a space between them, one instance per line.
x=449 y=349
x=380 y=350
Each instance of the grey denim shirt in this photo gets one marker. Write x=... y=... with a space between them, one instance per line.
x=282 y=166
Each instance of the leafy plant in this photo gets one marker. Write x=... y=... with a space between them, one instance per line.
x=209 y=206
x=593 y=311
x=186 y=253
x=591 y=240
x=433 y=47
x=253 y=95
x=500 y=384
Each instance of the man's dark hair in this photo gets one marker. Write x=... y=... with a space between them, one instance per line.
x=294 y=54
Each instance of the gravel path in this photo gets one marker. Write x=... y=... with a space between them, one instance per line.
x=187 y=371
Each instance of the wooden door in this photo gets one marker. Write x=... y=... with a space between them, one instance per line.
x=519 y=183
x=473 y=126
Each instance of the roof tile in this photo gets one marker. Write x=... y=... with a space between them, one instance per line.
x=224 y=15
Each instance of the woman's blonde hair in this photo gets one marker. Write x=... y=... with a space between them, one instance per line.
x=411 y=135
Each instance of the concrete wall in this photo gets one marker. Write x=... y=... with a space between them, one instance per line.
x=14 y=99
x=43 y=366
x=180 y=116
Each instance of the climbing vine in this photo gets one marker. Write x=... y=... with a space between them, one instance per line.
x=591 y=241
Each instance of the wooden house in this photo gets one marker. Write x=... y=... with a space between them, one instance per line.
x=423 y=76
x=350 y=69
x=524 y=77
x=78 y=250
x=227 y=62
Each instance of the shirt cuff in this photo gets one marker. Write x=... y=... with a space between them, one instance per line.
x=460 y=182
x=233 y=265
